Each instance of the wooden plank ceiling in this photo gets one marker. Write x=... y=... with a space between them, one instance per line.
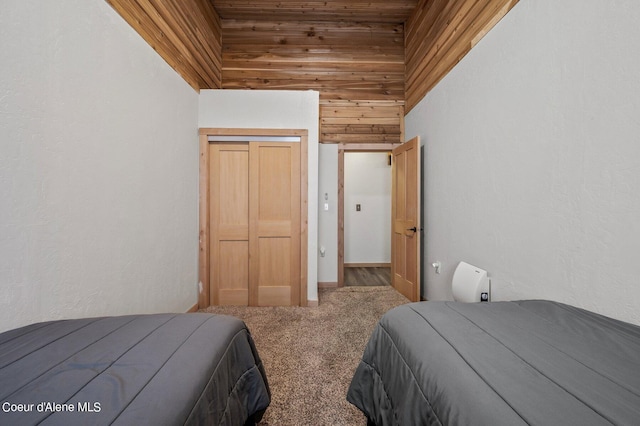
x=186 y=33
x=352 y=52
x=389 y=11
x=439 y=34
x=357 y=68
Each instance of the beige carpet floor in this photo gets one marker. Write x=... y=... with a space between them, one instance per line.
x=310 y=354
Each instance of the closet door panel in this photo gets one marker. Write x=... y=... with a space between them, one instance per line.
x=274 y=224
x=229 y=221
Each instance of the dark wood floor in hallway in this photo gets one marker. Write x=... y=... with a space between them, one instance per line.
x=369 y=276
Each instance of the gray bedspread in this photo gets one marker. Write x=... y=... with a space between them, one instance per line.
x=500 y=363
x=166 y=369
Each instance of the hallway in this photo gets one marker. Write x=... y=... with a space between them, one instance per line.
x=370 y=276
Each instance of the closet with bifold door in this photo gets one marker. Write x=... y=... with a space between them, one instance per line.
x=254 y=223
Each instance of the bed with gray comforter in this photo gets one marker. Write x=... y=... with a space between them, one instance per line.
x=500 y=363
x=166 y=369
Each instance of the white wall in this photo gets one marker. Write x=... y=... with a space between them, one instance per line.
x=98 y=168
x=271 y=109
x=367 y=233
x=328 y=219
x=532 y=157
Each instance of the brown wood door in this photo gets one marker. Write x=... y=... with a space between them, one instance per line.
x=255 y=224
x=405 y=213
x=274 y=233
x=229 y=223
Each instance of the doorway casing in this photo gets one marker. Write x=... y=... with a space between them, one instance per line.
x=342 y=148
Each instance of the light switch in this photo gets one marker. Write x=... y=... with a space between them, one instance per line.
x=326 y=207
x=357 y=207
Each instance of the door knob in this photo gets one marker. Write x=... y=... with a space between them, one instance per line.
x=414 y=229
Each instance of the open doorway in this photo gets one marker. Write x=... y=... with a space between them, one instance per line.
x=365 y=219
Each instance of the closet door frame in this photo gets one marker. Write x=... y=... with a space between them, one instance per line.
x=204 y=243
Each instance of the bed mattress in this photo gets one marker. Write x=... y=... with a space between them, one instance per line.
x=166 y=369
x=500 y=363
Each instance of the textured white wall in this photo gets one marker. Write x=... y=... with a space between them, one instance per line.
x=273 y=109
x=367 y=233
x=328 y=220
x=532 y=158
x=98 y=168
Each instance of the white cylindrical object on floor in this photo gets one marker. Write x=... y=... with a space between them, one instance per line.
x=469 y=282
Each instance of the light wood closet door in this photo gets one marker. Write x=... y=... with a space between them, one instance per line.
x=255 y=224
x=229 y=221
x=274 y=229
